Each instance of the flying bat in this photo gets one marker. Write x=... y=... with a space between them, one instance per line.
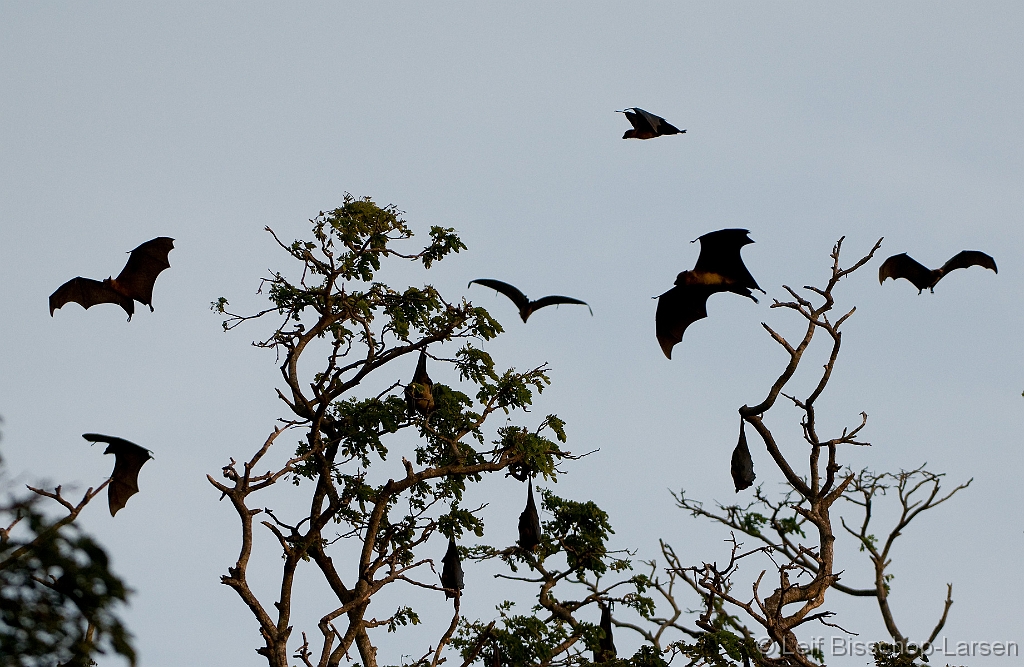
x=134 y=283
x=451 y=574
x=529 y=523
x=902 y=266
x=742 y=465
x=606 y=646
x=719 y=268
x=646 y=125
x=128 y=461
x=418 y=395
x=525 y=306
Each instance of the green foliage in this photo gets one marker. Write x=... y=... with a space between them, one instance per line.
x=58 y=597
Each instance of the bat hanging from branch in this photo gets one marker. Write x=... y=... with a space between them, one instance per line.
x=903 y=266
x=134 y=283
x=646 y=125
x=418 y=393
x=606 y=646
x=719 y=268
x=128 y=461
x=525 y=306
x=742 y=465
x=452 y=579
x=529 y=523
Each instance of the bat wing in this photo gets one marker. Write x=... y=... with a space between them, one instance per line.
x=720 y=254
x=451 y=574
x=87 y=293
x=607 y=643
x=641 y=127
x=904 y=266
x=144 y=265
x=518 y=298
x=529 y=523
x=742 y=465
x=968 y=258
x=555 y=300
x=128 y=461
x=678 y=308
x=659 y=126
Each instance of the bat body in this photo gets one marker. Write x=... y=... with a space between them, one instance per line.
x=418 y=395
x=529 y=523
x=903 y=266
x=742 y=465
x=606 y=648
x=719 y=268
x=134 y=283
x=646 y=125
x=451 y=574
x=525 y=306
x=128 y=461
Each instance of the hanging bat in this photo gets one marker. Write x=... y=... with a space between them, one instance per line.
x=128 y=461
x=606 y=646
x=418 y=395
x=742 y=465
x=529 y=523
x=719 y=268
x=525 y=306
x=451 y=574
x=134 y=283
x=902 y=266
x=646 y=125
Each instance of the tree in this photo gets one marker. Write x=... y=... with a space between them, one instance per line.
x=361 y=327
x=58 y=597
x=357 y=494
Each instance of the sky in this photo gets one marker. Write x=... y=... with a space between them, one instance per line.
x=806 y=122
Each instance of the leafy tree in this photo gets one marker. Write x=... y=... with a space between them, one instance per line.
x=58 y=597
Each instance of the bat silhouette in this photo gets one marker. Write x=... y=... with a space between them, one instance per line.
x=529 y=523
x=525 y=306
x=719 y=268
x=902 y=266
x=128 y=461
x=742 y=465
x=418 y=395
x=134 y=283
x=451 y=574
x=606 y=646
x=646 y=125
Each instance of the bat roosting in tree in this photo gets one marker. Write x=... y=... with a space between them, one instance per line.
x=719 y=269
x=606 y=646
x=742 y=465
x=529 y=523
x=134 y=283
x=646 y=125
x=418 y=395
x=451 y=574
x=128 y=461
x=525 y=306
x=902 y=266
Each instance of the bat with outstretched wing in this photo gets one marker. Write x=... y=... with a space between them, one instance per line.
x=529 y=523
x=742 y=465
x=903 y=266
x=128 y=461
x=452 y=579
x=719 y=268
x=525 y=306
x=418 y=395
x=134 y=283
x=646 y=125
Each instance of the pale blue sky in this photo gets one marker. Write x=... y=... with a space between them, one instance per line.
x=207 y=121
